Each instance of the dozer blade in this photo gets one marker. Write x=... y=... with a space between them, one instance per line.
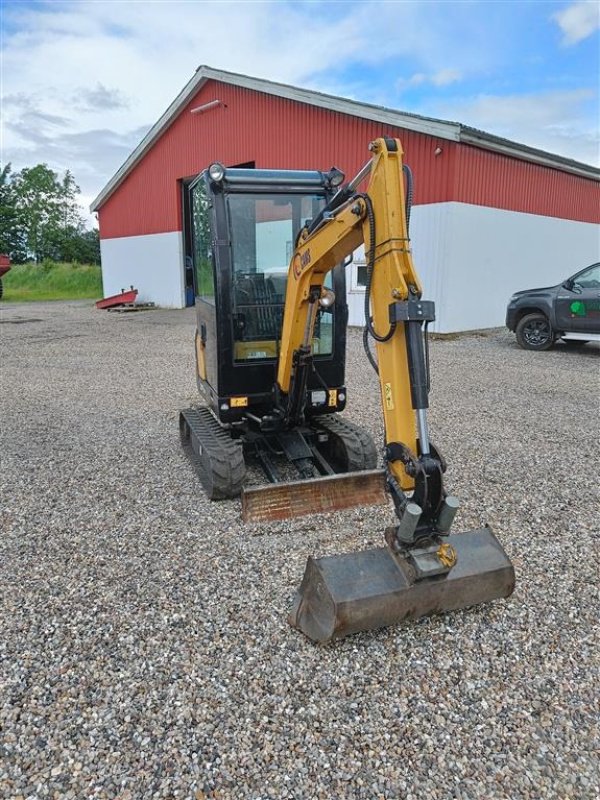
x=344 y=594
x=331 y=493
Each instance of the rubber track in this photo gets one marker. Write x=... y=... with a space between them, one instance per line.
x=360 y=447
x=220 y=464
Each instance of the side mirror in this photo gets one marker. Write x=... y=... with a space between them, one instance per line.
x=568 y=284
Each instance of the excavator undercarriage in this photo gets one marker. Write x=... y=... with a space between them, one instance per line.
x=341 y=454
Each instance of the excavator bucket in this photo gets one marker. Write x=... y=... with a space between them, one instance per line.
x=331 y=493
x=345 y=594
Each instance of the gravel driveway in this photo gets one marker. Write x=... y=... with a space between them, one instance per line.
x=144 y=649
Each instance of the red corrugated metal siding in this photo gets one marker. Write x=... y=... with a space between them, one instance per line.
x=274 y=133
x=490 y=179
x=278 y=133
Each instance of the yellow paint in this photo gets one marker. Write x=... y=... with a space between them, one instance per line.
x=200 y=358
x=238 y=402
x=447 y=555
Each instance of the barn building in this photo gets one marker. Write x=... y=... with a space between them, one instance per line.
x=490 y=216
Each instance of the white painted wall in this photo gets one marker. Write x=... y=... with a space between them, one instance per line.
x=153 y=264
x=472 y=258
x=428 y=232
x=274 y=242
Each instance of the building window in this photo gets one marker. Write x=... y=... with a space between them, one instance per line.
x=361 y=276
x=358 y=271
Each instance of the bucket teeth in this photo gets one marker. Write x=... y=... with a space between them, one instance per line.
x=345 y=594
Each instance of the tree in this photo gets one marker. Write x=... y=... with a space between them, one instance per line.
x=48 y=210
x=83 y=247
x=12 y=239
x=41 y=217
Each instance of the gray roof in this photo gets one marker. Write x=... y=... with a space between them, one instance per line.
x=443 y=129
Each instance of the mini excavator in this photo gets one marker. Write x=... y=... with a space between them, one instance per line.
x=270 y=250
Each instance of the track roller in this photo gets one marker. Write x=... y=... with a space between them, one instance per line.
x=349 y=448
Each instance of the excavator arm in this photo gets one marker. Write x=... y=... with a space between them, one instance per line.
x=395 y=315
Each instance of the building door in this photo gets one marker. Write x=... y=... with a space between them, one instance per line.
x=189 y=280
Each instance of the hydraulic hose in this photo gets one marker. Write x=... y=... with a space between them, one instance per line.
x=409 y=194
x=370 y=267
x=368 y=329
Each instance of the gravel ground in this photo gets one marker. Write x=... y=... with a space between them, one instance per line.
x=144 y=649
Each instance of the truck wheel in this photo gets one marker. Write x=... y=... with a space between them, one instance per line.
x=534 y=332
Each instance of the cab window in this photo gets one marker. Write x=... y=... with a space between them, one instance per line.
x=202 y=237
x=263 y=231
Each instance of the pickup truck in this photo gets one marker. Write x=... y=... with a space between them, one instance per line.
x=569 y=311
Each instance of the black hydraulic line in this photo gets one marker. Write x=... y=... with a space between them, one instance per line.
x=427 y=367
x=344 y=194
x=370 y=268
x=368 y=329
x=369 y=354
x=409 y=194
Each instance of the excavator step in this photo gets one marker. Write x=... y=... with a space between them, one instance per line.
x=330 y=493
x=217 y=458
x=345 y=594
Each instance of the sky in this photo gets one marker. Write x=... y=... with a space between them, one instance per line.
x=82 y=82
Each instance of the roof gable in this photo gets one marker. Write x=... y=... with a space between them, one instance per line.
x=443 y=129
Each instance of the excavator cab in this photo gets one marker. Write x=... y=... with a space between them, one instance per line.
x=245 y=223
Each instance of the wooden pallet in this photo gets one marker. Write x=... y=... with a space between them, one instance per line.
x=126 y=307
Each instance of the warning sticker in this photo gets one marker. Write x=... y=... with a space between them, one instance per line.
x=389 y=398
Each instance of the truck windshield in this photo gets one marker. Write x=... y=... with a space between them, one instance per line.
x=263 y=229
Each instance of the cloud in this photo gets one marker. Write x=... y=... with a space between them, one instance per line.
x=558 y=121
x=578 y=21
x=108 y=67
x=84 y=81
x=100 y=98
x=443 y=77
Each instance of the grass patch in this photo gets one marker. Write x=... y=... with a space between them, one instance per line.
x=52 y=281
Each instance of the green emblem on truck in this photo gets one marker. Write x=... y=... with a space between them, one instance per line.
x=578 y=308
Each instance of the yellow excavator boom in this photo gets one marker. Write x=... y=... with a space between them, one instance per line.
x=394 y=278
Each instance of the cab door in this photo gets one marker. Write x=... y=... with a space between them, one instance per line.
x=578 y=302
x=204 y=280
